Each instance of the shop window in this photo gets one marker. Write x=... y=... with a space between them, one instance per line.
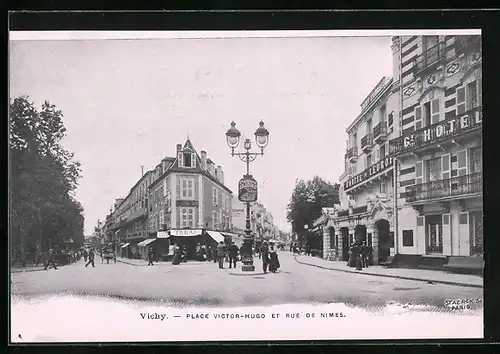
x=407 y=238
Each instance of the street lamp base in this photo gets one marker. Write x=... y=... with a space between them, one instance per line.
x=247 y=264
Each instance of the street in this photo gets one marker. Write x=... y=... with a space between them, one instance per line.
x=204 y=284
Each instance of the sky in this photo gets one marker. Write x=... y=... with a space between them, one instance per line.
x=127 y=103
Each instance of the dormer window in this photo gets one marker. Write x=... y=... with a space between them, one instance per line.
x=187 y=159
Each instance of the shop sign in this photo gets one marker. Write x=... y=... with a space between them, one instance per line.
x=187 y=203
x=442 y=130
x=371 y=171
x=247 y=189
x=185 y=232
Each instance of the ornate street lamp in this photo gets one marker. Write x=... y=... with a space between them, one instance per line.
x=247 y=187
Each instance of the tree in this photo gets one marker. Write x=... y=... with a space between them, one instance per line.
x=43 y=178
x=308 y=199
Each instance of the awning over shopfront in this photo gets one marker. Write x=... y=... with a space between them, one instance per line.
x=117 y=231
x=162 y=234
x=217 y=236
x=126 y=245
x=146 y=242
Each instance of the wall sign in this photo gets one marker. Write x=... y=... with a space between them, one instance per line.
x=380 y=166
x=187 y=203
x=444 y=129
x=380 y=86
x=247 y=189
x=185 y=232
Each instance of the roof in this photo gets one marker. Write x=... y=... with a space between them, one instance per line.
x=174 y=167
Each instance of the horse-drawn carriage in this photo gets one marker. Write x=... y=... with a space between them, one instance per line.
x=108 y=253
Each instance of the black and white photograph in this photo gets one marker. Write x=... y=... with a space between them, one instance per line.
x=245 y=185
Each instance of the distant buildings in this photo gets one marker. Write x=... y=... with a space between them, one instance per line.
x=261 y=220
x=183 y=197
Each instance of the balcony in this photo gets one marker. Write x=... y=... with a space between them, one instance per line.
x=380 y=132
x=367 y=143
x=360 y=210
x=352 y=154
x=451 y=130
x=467 y=44
x=449 y=188
x=429 y=59
x=342 y=213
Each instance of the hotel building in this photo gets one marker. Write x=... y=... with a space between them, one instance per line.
x=439 y=152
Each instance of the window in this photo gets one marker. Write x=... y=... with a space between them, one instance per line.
x=407 y=238
x=215 y=196
x=215 y=220
x=433 y=169
x=472 y=95
x=368 y=160
x=382 y=151
x=476 y=160
x=369 y=126
x=427 y=114
x=391 y=119
x=187 y=188
x=383 y=187
x=162 y=217
x=187 y=217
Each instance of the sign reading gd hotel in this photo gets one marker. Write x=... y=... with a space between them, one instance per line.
x=247 y=189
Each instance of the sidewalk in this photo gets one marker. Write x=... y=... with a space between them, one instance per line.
x=434 y=276
x=142 y=262
x=32 y=268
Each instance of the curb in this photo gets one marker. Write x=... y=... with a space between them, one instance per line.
x=26 y=270
x=394 y=276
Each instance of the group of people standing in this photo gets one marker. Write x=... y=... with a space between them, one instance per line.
x=360 y=255
x=227 y=252
x=269 y=255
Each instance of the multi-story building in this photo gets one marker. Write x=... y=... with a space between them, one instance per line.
x=365 y=212
x=439 y=152
x=261 y=220
x=189 y=194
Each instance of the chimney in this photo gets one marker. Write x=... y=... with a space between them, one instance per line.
x=218 y=173
x=221 y=175
x=178 y=148
x=142 y=170
x=203 y=158
x=211 y=167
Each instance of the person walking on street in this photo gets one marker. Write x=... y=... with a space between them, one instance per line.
x=265 y=256
x=85 y=255
x=274 y=262
x=51 y=260
x=150 y=256
x=221 y=252
x=91 y=258
x=233 y=254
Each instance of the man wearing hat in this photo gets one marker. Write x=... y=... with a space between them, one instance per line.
x=264 y=250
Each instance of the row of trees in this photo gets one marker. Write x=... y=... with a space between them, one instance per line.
x=43 y=177
x=305 y=206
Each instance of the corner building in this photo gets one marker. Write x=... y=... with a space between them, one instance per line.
x=365 y=212
x=439 y=152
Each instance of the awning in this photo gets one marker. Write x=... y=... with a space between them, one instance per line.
x=162 y=234
x=117 y=231
x=217 y=236
x=146 y=242
x=126 y=245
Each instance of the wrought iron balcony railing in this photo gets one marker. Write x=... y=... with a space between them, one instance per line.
x=449 y=187
x=380 y=132
x=341 y=213
x=360 y=210
x=438 y=132
x=429 y=57
x=367 y=142
x=352 y=153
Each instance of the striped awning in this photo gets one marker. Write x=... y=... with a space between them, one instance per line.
x=217 y=236
x=125 y=245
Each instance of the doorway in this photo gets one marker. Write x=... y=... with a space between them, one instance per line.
x=360 y=234
x=476 y=232
x=344 y=233
x=384 y=239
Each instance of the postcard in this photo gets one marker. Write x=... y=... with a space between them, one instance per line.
x=245 y=185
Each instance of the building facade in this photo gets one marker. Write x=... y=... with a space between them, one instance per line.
x=365 y=212
x=439 y=152
x=427 y=137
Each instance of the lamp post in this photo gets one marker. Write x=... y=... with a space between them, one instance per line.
x=247 y=187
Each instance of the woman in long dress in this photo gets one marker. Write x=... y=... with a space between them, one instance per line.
x=274 y=262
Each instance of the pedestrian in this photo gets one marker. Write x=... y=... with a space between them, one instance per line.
x=177 y=255
x=150 y=256
x=364 y=255
x=221 y=252
x=51 y=260
x=38 y=256
x=274 y=262
x=85 y=255
x=214 y=254
x=264 y=250
x=91 y=255
x=233 y=254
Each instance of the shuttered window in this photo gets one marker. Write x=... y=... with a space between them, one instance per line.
x=435 y=111
x=418 y=117
x=462 y=162
x=460 y=100
x=419 y=175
